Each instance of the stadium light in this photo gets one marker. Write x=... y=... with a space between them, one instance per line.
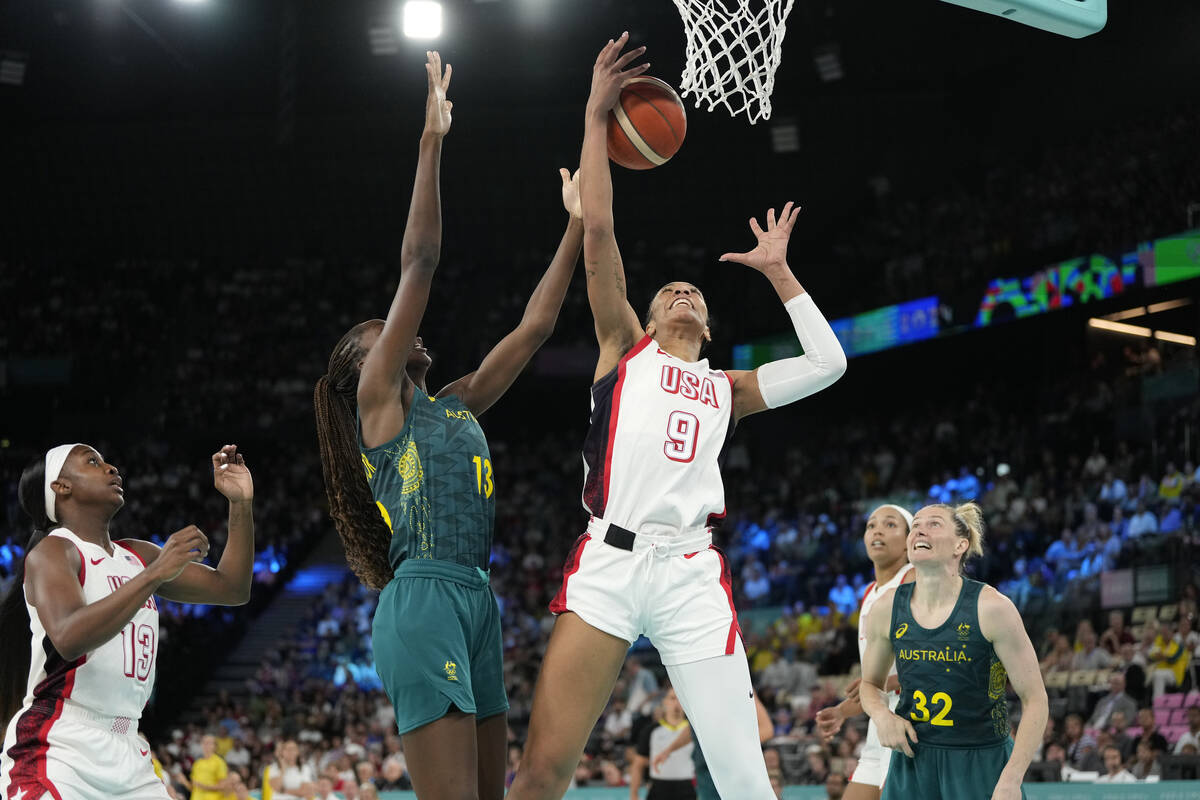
x=1177 y=338
x=422 y=19
x=191 y=2
x=1119 y=327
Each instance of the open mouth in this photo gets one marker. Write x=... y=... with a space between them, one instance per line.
x=922 y=546
x=682 y=300
x=877 y=543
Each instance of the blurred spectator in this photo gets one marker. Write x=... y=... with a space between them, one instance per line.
x=1114 y=768
x=210 y=775
x=1116 y=701
x=1169 y=660
x=835 y=786
x=1190 y=737
x=1142 y=522
x=1146 y=763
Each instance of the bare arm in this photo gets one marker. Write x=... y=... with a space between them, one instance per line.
x=823 y=361
x=637 y=768
x=765 y=729
x=483 y=387
x=229 y=583
x=383 y=387
x=894 y=732
x=617 y=325
x=1000 y=623
x=76 y=627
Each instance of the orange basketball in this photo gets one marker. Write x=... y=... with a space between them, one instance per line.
x=647 y=125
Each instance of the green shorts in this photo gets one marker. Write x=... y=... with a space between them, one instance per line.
x=437 y=643
x=705 y=788
x=946 y=773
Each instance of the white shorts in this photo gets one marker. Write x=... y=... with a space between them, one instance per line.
x=83 y=756
x=674 y=588
x=873 y=762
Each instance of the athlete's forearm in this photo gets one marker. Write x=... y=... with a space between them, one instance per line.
x=595 y=176
x=422 y=242
x=1035 y=709
x=236 y=566
x=872 y=700
x=541 y=312
x=784 y=282
x=850 y=707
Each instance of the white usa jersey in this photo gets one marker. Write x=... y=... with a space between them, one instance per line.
x=658 y=427
x=116 y=678
x=869 y=598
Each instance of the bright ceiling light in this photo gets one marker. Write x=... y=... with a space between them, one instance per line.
x=422 y=19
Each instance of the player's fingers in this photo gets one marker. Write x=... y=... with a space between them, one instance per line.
x=633 y=72
x=910 y=731
x=770 y=219
x=446 y=77
x=737 y=258
x=786 y=214
x=795 y=213
x=754 y=226
x=566 y=176
x=630 y=56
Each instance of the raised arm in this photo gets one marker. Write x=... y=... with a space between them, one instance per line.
x=894 y=732
x=617 y=325
x=483 y=387
x=381 y=396
x=1000 y=623
x=790 y=379
x=229 y=583
x=52 y=584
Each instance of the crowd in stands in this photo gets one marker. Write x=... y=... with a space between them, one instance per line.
x=234 y=359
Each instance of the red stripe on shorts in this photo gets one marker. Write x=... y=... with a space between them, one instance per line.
x=559 y=604
x=727 y=585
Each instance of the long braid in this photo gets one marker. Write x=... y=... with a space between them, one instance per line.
x=365 y=536
x=14 y=614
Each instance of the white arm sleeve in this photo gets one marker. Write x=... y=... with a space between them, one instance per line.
x=824 y=361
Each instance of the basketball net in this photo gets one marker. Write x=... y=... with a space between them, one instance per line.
x=733 y=52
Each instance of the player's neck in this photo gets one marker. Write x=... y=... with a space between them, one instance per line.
x=885 y=573
x=679 y=343
x=93 y=530
x=937 y=589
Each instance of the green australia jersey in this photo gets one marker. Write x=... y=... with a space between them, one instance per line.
x=433 y=484
x=951 y=681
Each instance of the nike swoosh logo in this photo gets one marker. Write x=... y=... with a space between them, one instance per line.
x=143 y=752
x=96 y=561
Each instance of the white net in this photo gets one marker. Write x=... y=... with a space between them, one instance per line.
x=733 y=50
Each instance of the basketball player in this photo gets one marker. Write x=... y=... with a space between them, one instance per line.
x=660 y=417
x=89 y=603
x=886 y=539
x=411 y=492
x=955 y=642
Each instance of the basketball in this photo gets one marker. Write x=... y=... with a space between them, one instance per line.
x=647 y=125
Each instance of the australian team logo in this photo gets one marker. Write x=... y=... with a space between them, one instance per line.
x=964 y=632
x=903 y=629
x=409 y=467
x=451 y=671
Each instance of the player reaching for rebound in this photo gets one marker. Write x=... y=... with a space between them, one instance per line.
x=885 y=538
x=412 y=494
x=88 y=602
x=660 y=417
x=956 y=642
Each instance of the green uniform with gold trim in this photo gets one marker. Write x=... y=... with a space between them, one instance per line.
x=436 y=632
x=952 y=690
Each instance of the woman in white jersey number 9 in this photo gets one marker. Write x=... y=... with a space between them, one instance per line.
x=80 y=626
x=885 y=538
x=660 y=416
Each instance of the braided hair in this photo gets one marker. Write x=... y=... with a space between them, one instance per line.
x=365 y=536
x=14 y=614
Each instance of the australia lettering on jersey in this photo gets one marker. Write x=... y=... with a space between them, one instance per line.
x=689 y=385
x=117 y=581
x=931 y=655
x=464 y=414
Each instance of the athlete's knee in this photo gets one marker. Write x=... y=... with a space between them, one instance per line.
x=540 y=777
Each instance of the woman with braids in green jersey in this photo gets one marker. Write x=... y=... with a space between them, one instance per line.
x=412 y=494
x=956 y=644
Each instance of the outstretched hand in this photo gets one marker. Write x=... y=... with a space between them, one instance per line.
x=437 y=107
x=230 y=475
x=771 y=252
x=609 y=73
x=570 y=191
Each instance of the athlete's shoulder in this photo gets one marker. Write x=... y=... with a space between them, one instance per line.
x=879 y=621
x=996 y=612
x=53 y=549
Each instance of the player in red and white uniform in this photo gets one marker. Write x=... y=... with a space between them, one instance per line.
x=73 y=700
x=885 y=538
x=660 y=416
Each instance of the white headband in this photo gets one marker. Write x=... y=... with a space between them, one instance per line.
x=55 y=458
x=904 y=512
